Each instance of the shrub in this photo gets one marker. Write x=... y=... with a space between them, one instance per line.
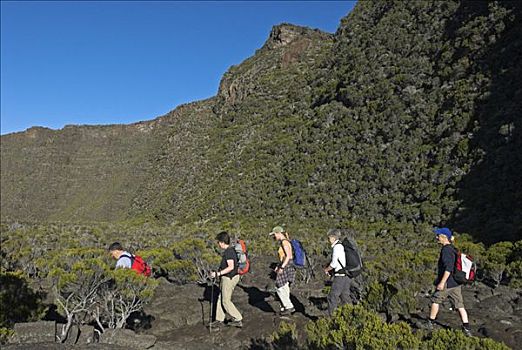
x=353 y=327
x=187 y=260
x=5 y=334
x=125 y=293
x=285 y=337
x=455 y=340
x=88 y=289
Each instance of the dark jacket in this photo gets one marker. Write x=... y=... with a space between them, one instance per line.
x=446 y=262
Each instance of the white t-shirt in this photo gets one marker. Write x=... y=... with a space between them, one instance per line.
x=338 y=256
x=124 y=261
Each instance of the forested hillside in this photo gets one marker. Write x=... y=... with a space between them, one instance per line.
x=410 y=112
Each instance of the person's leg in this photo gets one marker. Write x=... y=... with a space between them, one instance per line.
x=220 y=314
x=345 y=293
x=333 y=296
x=463 y=315
x=284 y=295
x=437 y=298
x=455 y=294
x=226 y=294
x=434 y=311
x=289 y=304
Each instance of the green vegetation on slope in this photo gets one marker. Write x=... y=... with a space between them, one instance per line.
x=409 y=113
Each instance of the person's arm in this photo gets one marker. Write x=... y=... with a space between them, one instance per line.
x=443 y=280
x=448 y=263
x=328 y=269
x=336 y=256
x=229 y=256
x=229 y=268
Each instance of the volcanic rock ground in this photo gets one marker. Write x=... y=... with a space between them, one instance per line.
x=178 y=315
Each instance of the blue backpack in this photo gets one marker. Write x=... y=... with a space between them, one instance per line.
x=299 y=253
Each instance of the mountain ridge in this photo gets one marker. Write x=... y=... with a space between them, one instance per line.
x=383 y=121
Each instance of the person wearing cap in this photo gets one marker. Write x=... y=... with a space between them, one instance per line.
x=285 y=270
x=341 y=282
x=445 y=285
x=122 y=257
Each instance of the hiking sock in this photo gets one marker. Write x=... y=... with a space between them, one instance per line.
x=466 y=325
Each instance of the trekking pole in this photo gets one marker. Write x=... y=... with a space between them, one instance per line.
x=212 y=281
x=310 y=267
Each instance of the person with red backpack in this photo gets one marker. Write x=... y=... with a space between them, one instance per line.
x=126 y=260
x=228 y=272
x=446 y=286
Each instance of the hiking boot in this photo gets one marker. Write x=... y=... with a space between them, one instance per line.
x=235 y=323
x=287 y=312
x=466 y=331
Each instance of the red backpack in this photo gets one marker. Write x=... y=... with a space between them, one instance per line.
x=465 y=268
x=138 y=264
x=242 y=257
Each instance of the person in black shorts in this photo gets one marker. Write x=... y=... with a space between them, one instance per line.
x=446 y=286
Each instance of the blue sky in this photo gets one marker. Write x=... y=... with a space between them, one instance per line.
x=121 y=62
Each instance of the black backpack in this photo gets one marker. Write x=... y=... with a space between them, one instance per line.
x=354 y=263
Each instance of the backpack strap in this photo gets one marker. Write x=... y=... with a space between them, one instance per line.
x=281 y=245
x=291 y=247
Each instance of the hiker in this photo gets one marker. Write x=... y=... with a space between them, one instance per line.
x=284 y=271
x=228 y=271
x=126 y=260
x=341 y=282
x=446 y=286
x=123 y=258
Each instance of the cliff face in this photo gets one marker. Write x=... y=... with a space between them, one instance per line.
x=79 y=173
x=410 y=112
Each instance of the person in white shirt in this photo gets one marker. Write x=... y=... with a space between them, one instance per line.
x=341 y=282
x=122 y=257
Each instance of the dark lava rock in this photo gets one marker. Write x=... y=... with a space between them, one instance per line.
x=127 y=338
x=34 y=332
x=81 y=335
x=60 y=346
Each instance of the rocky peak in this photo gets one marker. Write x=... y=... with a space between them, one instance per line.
x=287 y=46
x=285 y=33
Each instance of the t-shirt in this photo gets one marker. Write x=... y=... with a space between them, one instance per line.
x=447 y=263
x=338 y=262
x=229 y=254
x=124 y=261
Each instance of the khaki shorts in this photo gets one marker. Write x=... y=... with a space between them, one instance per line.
x=454 y=294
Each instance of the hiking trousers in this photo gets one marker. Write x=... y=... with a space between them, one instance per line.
x=284 y=295
x=340 y=288
x=224 y=303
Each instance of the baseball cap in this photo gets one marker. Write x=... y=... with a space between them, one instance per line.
x=277 y=229
x=443 y=231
